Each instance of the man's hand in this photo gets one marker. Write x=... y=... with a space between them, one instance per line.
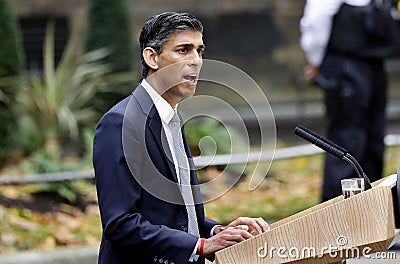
x=310 y=73
x=254 y=226
x=226 y=237
x=237 y=231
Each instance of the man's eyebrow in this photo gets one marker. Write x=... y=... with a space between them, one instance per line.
x=190 y=45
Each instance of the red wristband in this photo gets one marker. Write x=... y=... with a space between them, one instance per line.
x=201 y=246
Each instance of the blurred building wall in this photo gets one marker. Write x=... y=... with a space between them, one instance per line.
x=260 y=37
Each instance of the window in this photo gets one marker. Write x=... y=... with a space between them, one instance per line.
x=33 y=32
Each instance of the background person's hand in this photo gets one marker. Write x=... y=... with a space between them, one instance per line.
x=310 y=73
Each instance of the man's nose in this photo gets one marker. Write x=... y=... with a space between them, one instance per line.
x=195 y=59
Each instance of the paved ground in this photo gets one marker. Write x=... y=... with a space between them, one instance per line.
x=81 y=255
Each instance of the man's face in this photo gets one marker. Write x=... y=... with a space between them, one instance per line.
x=179 y=65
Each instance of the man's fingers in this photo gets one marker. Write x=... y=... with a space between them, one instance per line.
x=240 y=235
x=256 y=225
x=263 y=224
x=236 y=234
x=242 y=227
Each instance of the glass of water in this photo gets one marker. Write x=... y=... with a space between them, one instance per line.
x=351 y=187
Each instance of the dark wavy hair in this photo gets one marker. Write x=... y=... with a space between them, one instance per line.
x=157 y=29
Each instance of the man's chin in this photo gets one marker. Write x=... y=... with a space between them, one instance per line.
x=188 y=90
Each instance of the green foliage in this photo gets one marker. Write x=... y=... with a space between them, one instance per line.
x=57 y=105
x=8 y=118
x=109 y=26
x=207 y=136
x=29 y=136
x=64 y=189
x=11 y=51
x=56 y=119
x=11 y=65
x=218 y=138
x=42 y=161
x=88 y=135
x=56 y=108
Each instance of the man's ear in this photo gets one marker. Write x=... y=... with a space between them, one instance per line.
x=150 y=56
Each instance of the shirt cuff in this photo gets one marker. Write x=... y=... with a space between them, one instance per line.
x=212 y=230
x=194 y=256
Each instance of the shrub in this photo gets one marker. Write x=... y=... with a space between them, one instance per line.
x=207 y=136
x=11 y=66
x=109 y=27
x=56 y=107
x=11 y=48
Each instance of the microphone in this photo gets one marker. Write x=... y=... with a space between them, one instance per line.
x=333 y=149
x=321 y=142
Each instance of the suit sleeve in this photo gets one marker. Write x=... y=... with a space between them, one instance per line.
x=209 y=224
x=118 y=193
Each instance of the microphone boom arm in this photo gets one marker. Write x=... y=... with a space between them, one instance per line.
x=352 y=161
x=333 y=149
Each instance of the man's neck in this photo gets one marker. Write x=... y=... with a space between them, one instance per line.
x=156 y=86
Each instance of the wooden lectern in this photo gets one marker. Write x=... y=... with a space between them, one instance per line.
x=329 y=232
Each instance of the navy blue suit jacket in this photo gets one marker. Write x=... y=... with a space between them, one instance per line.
x=142 y=213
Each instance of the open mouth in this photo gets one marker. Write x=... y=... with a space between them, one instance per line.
x=191 y=78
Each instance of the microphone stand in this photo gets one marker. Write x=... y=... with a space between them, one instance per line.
x=333 y=149
x=352 y=161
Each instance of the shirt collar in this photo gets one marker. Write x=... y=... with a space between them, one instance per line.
x=164 y=109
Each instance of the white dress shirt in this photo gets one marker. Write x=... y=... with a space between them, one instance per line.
x=166 y=113
x=316 y=26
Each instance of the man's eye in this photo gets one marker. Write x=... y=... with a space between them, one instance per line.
x=182 y=50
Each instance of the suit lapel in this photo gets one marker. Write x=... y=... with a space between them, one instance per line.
x=154 y=124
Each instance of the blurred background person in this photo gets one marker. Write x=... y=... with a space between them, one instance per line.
x=354 y=80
